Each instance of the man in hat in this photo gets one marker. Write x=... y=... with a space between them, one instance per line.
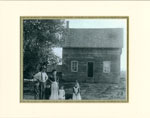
x=42 y=78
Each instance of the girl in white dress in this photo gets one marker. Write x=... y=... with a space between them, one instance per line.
x=62 y=93
x=54 y=86
x=76 y=92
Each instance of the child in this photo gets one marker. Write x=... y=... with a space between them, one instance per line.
x=61 y=93
x=47 y=90
x=76 y=92
x=77 y=83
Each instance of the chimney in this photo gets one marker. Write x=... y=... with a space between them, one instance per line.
x=67 y=24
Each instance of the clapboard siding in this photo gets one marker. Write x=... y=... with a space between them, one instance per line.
x=83 y=56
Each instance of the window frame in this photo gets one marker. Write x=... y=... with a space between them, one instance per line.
x=72 y=70
x=107 y=67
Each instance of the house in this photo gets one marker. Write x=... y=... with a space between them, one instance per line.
x=92 y=55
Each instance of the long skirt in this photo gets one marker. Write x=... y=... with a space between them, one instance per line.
x=54 y=91
x=76 y=97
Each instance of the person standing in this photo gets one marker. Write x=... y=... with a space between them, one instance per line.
x=48 y=89
x=54 y=86
x=76 y=92
x=77 y=83
x=42 y=78
x=61 y=93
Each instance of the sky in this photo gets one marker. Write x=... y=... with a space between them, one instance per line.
x=100 y=23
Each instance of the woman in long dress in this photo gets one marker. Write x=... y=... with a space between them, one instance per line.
x=76 y=92
x=54 y=86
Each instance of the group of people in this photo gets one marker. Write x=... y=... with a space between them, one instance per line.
x=48 y=87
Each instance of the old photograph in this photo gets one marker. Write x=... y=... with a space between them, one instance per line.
x=74 y=59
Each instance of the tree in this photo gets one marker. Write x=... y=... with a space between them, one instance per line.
x=39 y=37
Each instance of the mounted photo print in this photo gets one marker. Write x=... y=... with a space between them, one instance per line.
x=74 y=59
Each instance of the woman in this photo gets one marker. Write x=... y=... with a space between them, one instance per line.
x=54 y=86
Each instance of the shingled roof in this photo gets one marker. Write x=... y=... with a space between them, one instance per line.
x=94 y=38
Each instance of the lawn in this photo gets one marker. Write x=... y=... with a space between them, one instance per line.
x=90 y=91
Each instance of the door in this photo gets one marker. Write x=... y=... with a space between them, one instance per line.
x=90 y=69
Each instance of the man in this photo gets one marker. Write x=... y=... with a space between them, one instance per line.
x=42 y=78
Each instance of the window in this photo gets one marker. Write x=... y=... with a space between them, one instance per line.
x=106 y=67
x=74 y=66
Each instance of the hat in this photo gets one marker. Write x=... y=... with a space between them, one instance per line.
x=42 y=67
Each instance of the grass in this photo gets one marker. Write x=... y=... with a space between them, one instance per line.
x=90 y=91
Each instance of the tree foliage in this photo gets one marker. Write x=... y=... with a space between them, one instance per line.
x=39 y=37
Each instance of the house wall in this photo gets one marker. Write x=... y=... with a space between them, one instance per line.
x=95 y=55
x=51 y=67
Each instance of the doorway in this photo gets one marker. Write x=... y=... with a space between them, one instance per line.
x=90 y=69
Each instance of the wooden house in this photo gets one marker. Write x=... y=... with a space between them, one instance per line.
x=92 y=55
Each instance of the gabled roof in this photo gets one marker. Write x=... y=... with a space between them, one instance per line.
x=94 y=38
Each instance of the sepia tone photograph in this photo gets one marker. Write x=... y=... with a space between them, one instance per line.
x=81 y=59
